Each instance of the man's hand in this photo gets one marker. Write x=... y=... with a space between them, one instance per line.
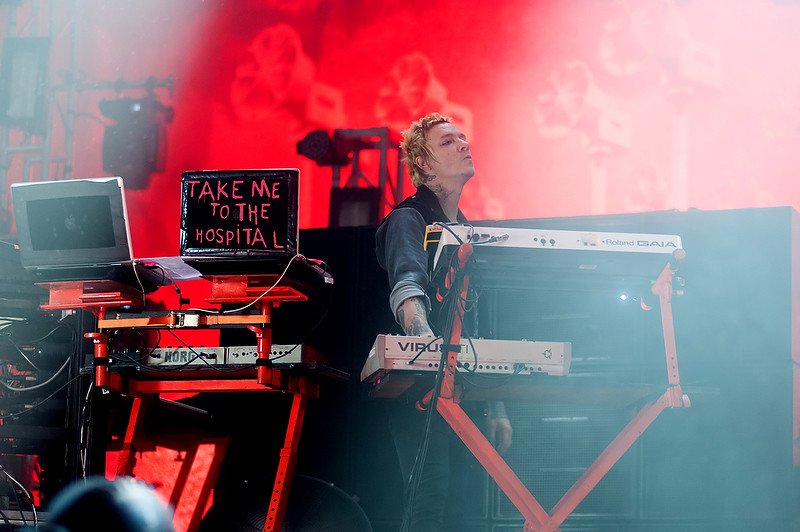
x=498 y=432
x=413 y=317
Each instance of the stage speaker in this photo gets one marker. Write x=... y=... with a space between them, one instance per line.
x=616 y=346
x=727 y=461
x=555 y=444
x=613 y=339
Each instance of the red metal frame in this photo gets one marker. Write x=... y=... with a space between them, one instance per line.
x=220 y=447
x=256 y=290
x=537 y=519
x=144 y=391
x=94 y=296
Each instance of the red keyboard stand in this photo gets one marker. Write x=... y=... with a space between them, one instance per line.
x=257 y=291
x=537 y=519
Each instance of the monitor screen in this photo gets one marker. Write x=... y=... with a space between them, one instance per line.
x=79 y=222
x=70 y=223
x=239 y=214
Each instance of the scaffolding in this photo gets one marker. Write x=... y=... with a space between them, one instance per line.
x=47 y=153
x=36 y=19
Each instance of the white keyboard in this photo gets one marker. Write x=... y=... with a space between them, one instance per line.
x=413 y=353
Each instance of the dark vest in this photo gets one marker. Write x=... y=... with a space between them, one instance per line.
x=427 y=204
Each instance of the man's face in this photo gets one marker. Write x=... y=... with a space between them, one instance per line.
x=451 y=158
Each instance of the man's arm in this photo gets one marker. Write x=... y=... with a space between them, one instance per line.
x=400 y=251
x=498 y=427
x=412 y=315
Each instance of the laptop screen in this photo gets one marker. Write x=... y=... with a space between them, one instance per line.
x=72 y=223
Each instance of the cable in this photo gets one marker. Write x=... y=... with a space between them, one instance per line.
x=54 y=329
x=86 y=428
x=8 y=321
x=41 y=384
x=146 y=352
x=7 y=522
x=474 y=356
x=256 y=300
x=23 y=355
x=27 y=494
x=319 y=321
x=35 y=340
x=446 y=226
x=181 y=301
x=287 y=353
x=230 y=311
x=16 y=498
x=310 y=331
x=164 y=276
x=138 y=363
x=197 y=356
x=425 y=348
x=35 y=406
x=448 y=311
x=416 y=471
x=452 y=305
x=139 y=282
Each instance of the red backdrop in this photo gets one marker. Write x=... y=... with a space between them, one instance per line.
x=572 y=107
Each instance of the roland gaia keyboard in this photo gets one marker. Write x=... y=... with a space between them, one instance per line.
x=519 y=257
x=554 y=239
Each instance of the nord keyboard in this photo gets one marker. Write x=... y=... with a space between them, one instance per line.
x=516 y=257
x=227 y=356
x=391 y=353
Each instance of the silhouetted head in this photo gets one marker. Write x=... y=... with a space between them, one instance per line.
x=122 y=505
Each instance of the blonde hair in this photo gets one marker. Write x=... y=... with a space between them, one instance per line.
x=415 y=144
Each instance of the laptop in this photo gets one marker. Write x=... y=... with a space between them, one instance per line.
x=77 y=230
x=237 y=222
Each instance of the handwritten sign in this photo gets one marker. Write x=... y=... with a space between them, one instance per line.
x=239 y=213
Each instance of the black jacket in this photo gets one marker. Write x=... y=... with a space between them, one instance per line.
x=399 y=247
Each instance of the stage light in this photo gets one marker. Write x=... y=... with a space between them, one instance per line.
x=353 y=203
x=23 y=83
x=136 y=146
x=628 y=299
x=324 y=150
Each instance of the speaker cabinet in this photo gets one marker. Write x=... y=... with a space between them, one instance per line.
x=553 y=446
x=728 y=459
